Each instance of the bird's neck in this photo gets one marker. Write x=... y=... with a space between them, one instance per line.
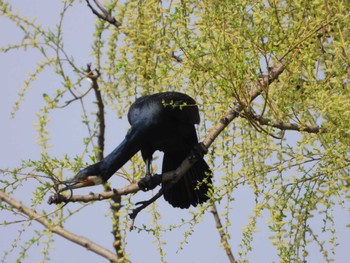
x=120 y=155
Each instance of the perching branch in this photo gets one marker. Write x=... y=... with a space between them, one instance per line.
x=82 y=241
x=129 y=189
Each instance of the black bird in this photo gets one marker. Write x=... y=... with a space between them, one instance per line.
x=165 y=122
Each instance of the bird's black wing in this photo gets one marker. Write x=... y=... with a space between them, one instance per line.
x=175 y=104
x=180 y=106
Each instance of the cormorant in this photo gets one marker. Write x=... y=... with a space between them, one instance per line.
x=164 y=122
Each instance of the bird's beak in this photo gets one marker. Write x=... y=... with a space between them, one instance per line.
x=76 y=183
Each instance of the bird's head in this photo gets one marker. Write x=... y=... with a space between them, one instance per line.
x=88 y=176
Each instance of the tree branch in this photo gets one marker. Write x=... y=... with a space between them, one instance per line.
x=223 y=235
x=129 y=189
x=177 y=58
x=284 y=125
x=82 y=241
x=74 y=99
x=239 y=107
x=117 y=244
x=100 y=113
x=104 y=15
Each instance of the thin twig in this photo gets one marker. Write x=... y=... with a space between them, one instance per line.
x=177 y=58
x=223 y=235
x=310 y=34
x=284 y=125
x=104 y=15
x=74 y=99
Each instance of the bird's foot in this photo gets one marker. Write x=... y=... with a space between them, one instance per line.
x=150 y=182
x=198 y=151
x=143 y=204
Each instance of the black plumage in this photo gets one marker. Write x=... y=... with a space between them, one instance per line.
x=164 y=122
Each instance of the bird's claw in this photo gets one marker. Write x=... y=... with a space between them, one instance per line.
x=150 y=182
x=198 y=151
x=141 y=205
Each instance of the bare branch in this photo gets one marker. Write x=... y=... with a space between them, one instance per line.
x=104 y=15
x=266 y=80
x=74 y=99
x=177 y=58
x=129 y=189
x=100 y=114
x=284 y=125
x=82 y=241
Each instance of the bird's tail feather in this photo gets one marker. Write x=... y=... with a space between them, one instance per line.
x=192 y=188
